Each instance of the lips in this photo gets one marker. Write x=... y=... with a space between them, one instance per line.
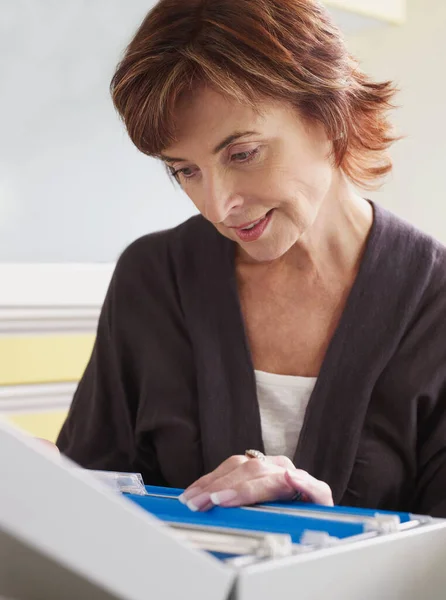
x=250 y=232
x=250 y=224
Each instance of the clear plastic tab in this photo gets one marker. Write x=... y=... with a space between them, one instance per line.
x=124 y=483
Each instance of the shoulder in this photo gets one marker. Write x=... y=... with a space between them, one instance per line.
x=158 y=254
x=158 y=245
x=415 y=282
x=413 y=255
x=410 y=282
x=145 y=281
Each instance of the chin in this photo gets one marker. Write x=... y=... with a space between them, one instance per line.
x=266 y=251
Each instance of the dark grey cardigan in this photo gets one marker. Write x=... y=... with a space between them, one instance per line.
x=170 y=388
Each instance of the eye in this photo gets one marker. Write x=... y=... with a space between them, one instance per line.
x=186 y=172
x=245 y=156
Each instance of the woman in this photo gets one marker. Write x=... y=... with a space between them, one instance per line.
x=292 y=316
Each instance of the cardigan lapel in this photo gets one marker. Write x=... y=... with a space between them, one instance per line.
x=228 y=409
x=372 y=325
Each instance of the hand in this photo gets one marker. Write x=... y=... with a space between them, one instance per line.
x=48 y=444
x=242 y=481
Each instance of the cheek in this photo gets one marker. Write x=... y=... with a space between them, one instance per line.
x=272 y=185
x=300 y=196
x=310 y=186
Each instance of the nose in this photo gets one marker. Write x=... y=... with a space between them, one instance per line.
x=220 y=198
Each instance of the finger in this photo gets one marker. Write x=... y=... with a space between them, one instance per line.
x=48 y=444
x=281 y=461
x=313 y=489
x=202 y=502
x=199 y=486
x=270 y=486
x=247 y=471
x=227 y=467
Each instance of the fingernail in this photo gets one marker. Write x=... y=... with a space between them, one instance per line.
x=223 y=496
x=189 y=494
x=198 y=502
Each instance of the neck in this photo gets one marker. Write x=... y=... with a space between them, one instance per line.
x=338 y=234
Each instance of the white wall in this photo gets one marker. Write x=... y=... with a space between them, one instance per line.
x=72 y=186
x=414 y=55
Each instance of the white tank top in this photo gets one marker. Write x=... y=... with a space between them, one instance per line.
x=283 y=400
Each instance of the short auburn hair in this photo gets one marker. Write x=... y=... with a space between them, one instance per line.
x=285 y=50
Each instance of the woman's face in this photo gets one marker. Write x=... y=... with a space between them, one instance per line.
x=259 y=177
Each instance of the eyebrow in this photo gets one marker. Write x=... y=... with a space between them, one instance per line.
x=218 y=148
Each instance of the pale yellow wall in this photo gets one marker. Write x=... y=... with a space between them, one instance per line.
x=43 y=425
x=42 y=359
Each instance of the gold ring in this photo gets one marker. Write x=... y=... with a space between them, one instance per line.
x=255 y=454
